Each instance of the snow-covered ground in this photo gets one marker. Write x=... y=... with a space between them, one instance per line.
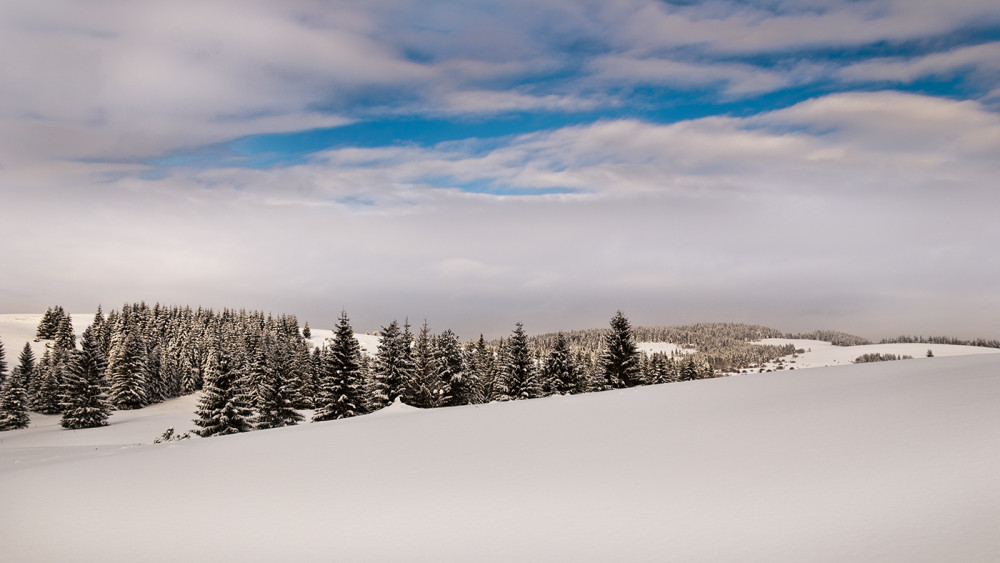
x=662 y=347
x=892 y=461
x=16 y=329
x=821 y=354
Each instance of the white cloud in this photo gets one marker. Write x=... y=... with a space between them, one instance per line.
x=979 y=59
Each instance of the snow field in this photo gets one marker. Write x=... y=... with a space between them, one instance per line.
x=894 y=461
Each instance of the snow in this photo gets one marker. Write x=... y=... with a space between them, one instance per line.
x=662 y=347
x=16 y=329
x=891 y=461
x=821 y=354
x=323 y=337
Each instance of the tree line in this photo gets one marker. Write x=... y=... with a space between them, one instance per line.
x=260 y=371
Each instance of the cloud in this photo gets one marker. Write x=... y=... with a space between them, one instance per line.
x=983 y=61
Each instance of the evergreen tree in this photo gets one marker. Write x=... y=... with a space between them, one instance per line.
x=621 y=357
x=306 y=332
x=275 y=392
x=482 y=367
x=660 y=369
x=84 y=404
x=48 y=376
x=392 y=367
x=14 y=402
x=3 y=364
x=690 y=370
x=452 y=369
x=425 y=388
x=64 y=337
x=520 y=377
x=561 y=374
x=26 y=363
x=223 y=408
x=47 y=326
x=341 y=392
x=127 y=372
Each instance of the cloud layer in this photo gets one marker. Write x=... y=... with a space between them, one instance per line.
x=822 y=164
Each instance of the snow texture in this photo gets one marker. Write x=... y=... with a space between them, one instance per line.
x=892 y=461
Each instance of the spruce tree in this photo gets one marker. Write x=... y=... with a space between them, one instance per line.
x=3 y=364
x=49 y=376
x=306 y=332
x=275 y=392
x=690 y=370
x=341 y=390
x=520 y=377
x=127 y=372
x=26 y=362
x=14 y=402
x=453 y=369
x=84 y=404
x=64 y=336
x=482 y=368
x=621 y=357
x=223 y=408
x=561 y=374
x=425 y=388
x=392 y=366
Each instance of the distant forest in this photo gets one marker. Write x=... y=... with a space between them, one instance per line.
x=260 y=371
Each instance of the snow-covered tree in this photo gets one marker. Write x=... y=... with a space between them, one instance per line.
x=392 y=366
x=49 y=376
x=453 y=370
x=14 y=402
x=520 y=376
x=425 y=388
x=224 y=407
x=561 y=374
x=342 y=384
x=26 y=362
x=621 y=357
x=84 y=404
x=3 y=364
x=275 y=391
x=127 y=371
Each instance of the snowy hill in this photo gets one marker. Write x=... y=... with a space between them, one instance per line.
x=894 y=461
x=821 y=354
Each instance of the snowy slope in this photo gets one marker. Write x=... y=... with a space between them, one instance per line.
x=895 y=461
x=821 y=354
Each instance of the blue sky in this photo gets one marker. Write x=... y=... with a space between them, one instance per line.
x=821 y=163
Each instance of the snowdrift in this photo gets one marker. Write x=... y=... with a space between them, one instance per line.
x=895 y=461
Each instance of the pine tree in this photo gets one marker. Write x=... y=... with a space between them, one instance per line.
x=14 y=402
x=341 y=390
x=84 y=404
x=690 y=370
x=392 y=366
x=621 y=358
x=223 y=408
x=306 y=332
x=520 y=377
x=49 y=376
x=26 y=361
x=274 y=393
x=452 y=369
x=425 y=388
x=3 y=364
x=127 y=372
x=47 y=326
x=482 y=366
x=64 y=337
x=561 y=374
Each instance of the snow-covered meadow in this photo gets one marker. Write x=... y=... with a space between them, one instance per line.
x=894 y=461
x=890 y=461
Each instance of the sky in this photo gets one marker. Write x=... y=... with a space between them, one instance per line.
x=811 y=164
